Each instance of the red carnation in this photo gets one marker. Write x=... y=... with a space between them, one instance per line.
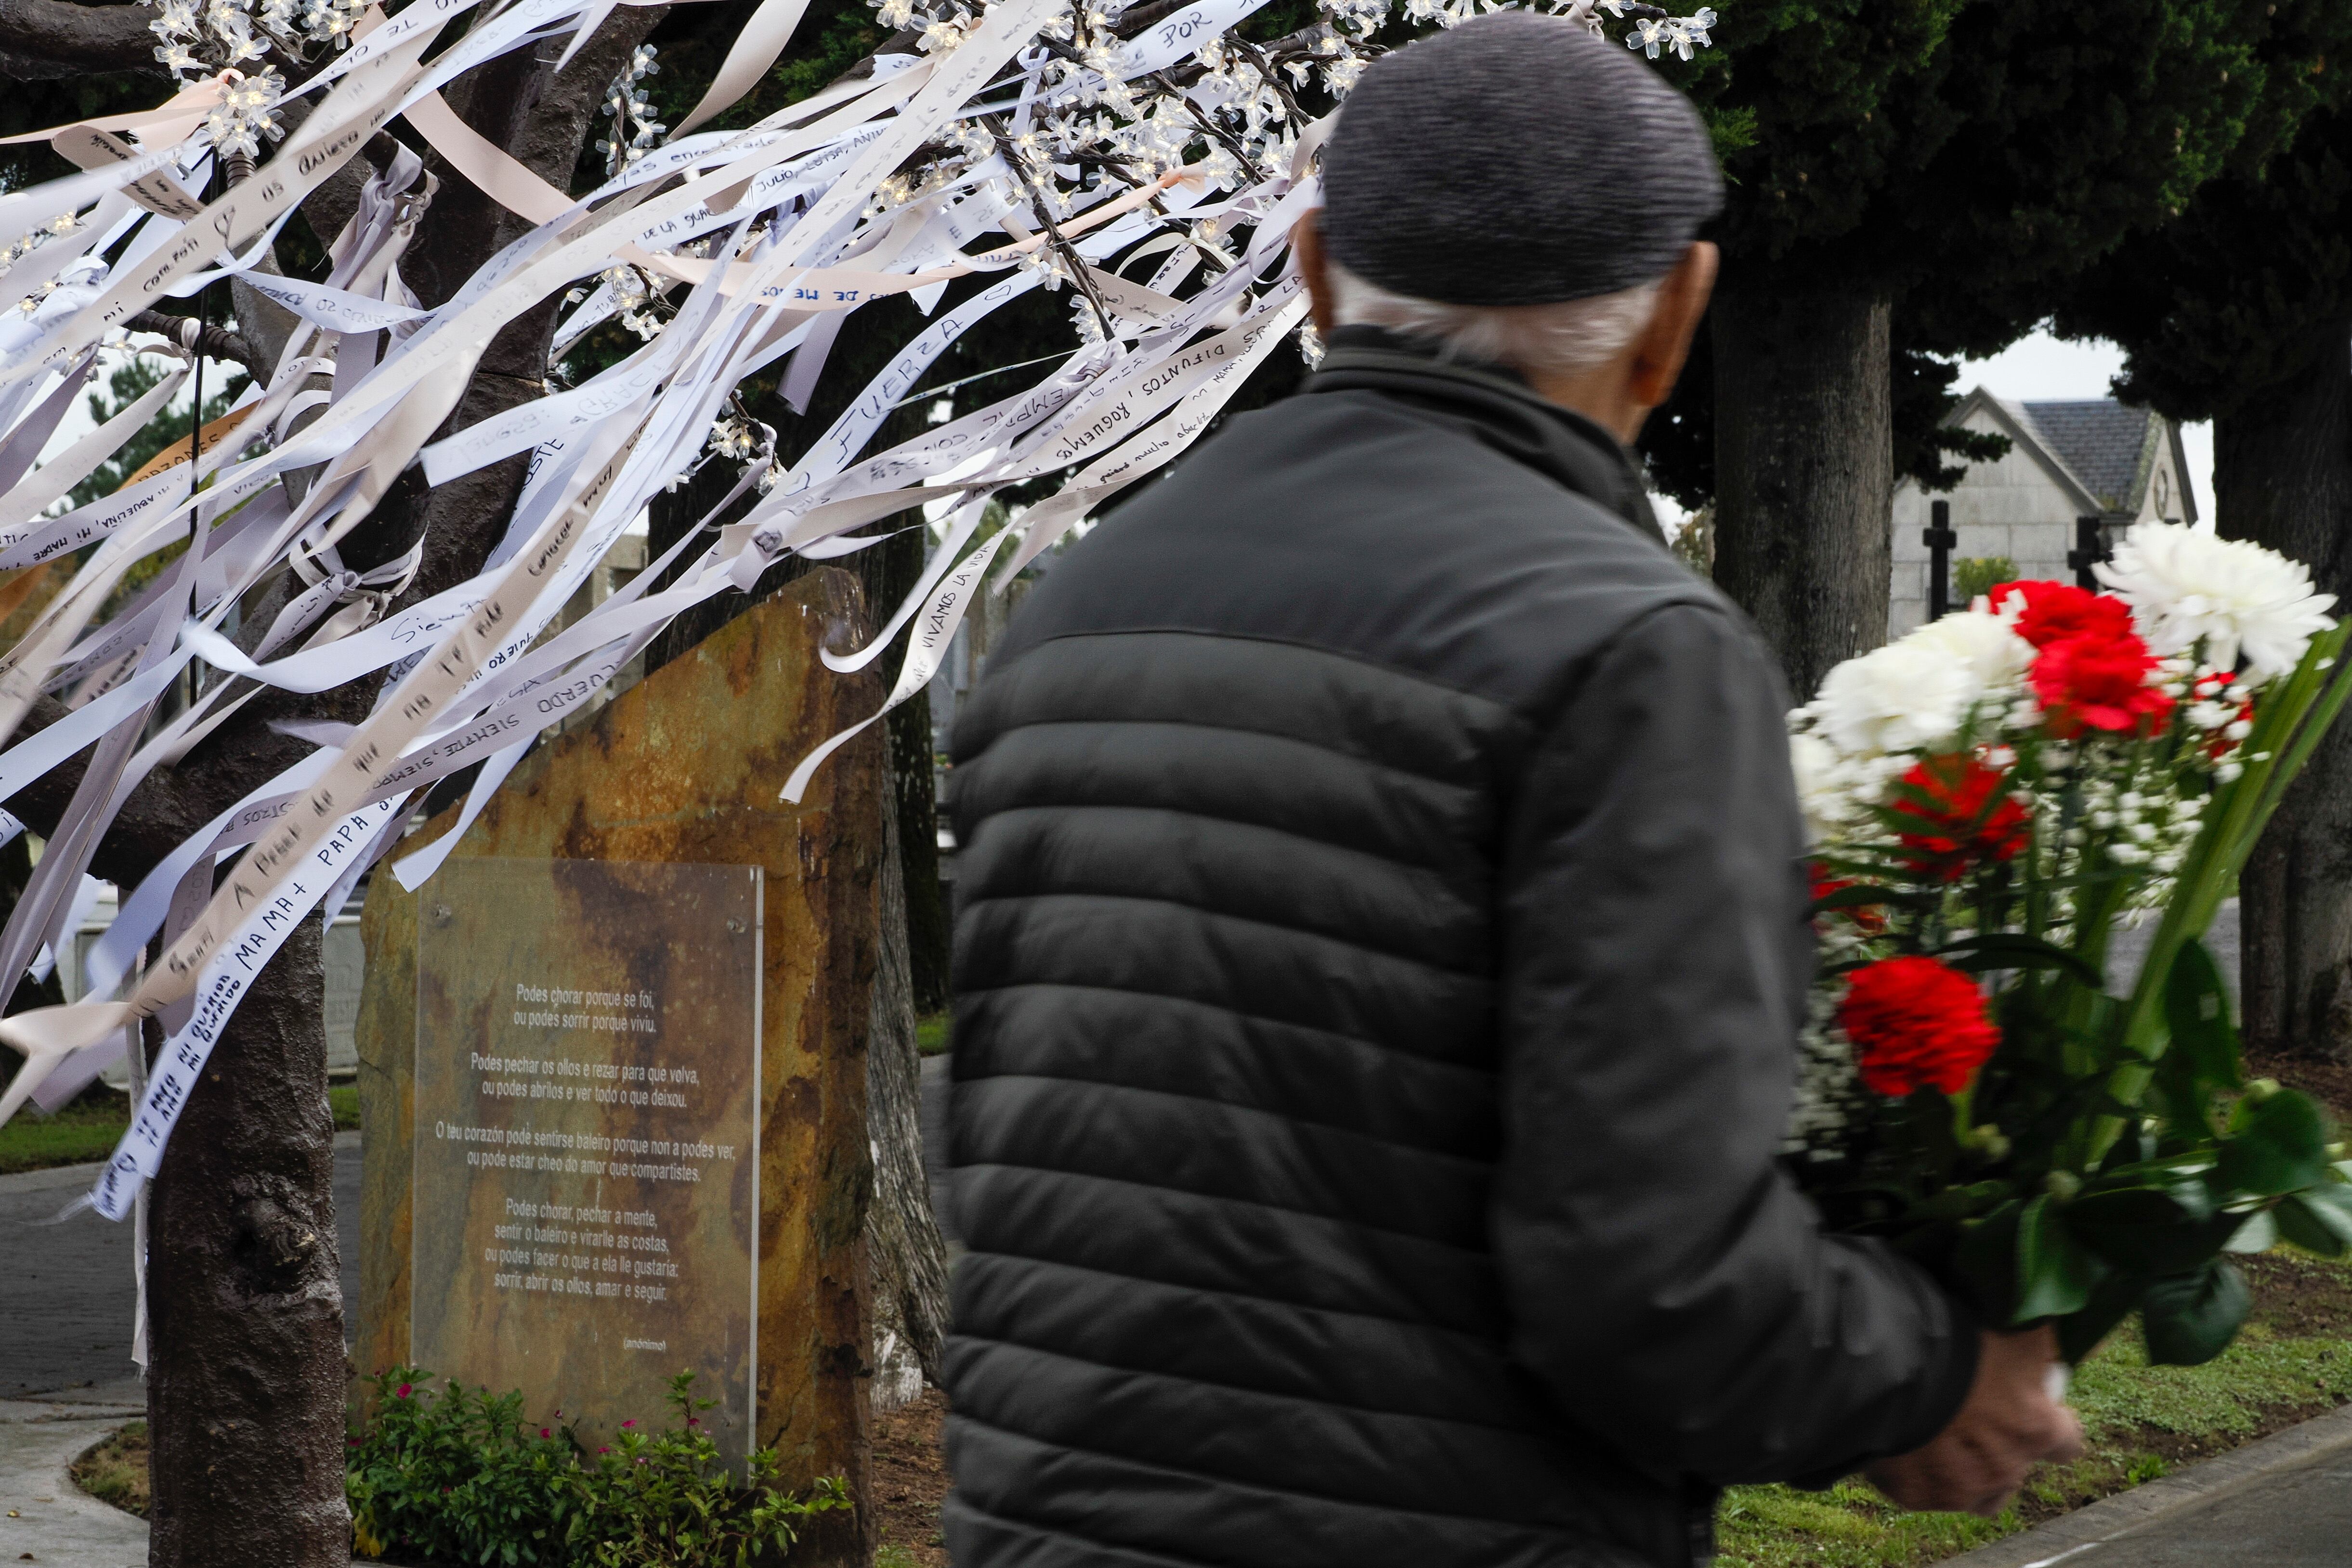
x=1917 y=1023
x=1866 y=918
x=1959 y=825
x=2095 y=682
x=2053 y=612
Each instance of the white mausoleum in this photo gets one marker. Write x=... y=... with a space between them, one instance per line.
x=2067 y=460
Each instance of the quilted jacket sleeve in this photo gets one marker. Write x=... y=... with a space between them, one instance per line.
x=1667 y=1284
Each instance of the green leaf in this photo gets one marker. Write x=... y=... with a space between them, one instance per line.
x=2190 y=1319
x=2079 y=1334
x=2318 y=1221
x=2280 y=1147
x=2149 y=1230
x=2259 y=1233
x=2197 y=1011
x=2055 y=1272
x=1986 y=1260
x=2011 y=950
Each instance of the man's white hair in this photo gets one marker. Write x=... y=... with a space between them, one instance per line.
x=1564 y=339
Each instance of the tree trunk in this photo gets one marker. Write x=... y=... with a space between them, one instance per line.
x=245 y=1392
x=907 y=1256
x=1804 y=472
x=2283 y=473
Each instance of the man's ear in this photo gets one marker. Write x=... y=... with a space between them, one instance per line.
x=1665 y=343
x=1307 y=248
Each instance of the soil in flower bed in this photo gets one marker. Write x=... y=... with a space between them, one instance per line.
x=2329 y=1082
x=910 y=1481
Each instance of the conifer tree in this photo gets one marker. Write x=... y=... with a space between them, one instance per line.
x=2241 y=312
x=1949 y=165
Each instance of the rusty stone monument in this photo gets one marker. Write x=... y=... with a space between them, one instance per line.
x=613 y=1065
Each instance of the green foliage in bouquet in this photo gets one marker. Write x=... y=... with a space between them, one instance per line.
x=459 y=1477
x=1993 y=796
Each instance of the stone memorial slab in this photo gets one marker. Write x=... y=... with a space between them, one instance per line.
x=682 y=771
x=586 y=1135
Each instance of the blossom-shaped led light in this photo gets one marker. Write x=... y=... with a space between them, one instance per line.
x=945 y=35
x=2186 y=586
x=635 y=129
x=1339 y=78
x=243 y=111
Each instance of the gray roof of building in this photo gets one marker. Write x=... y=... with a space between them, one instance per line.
x=2110 y=447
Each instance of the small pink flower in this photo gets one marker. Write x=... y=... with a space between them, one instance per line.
x=544 y=1432
x=694 y=1420
x=627 y=1424
x=404 y=1392
x=603 y=1451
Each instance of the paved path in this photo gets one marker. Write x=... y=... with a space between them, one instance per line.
x=2131 y=945
x=65 y=1288
x=43 y=1517
x=2283 y=1502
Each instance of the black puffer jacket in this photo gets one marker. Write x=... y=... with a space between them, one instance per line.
x=1379 y=947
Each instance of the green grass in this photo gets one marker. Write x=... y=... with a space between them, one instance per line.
x=893 y=1557
x=87 y=1130
x=931 y=1032
x=78 y=1134
x=2294 y=1359
x=116 y=1470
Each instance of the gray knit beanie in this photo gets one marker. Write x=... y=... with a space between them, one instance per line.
x=1514 y=160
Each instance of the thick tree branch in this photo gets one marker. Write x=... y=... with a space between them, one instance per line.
x=192 y=334
x=44 y=40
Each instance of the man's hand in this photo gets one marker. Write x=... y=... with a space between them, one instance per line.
x=2008 y=1424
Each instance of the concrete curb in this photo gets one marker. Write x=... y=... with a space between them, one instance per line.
x=2075 y=1535
x=45 y=1517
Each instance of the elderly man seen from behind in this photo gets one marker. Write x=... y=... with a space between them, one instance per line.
x=1381 y=941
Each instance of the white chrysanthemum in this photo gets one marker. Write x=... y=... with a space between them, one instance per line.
x=2239 y=598
x=1995 y=655
x=1906 y=694
x=1821 y=787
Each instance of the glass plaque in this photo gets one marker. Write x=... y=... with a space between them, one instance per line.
x=586 y=1179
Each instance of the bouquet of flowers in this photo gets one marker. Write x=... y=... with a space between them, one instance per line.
x=1991 y=797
